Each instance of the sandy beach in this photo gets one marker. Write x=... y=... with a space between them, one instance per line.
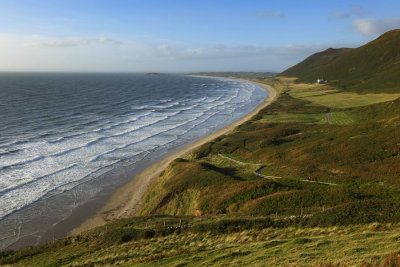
x=126 y=200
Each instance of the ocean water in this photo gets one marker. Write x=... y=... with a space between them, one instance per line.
x=66 y=137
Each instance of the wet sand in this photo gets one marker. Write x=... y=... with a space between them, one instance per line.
x=126 y=200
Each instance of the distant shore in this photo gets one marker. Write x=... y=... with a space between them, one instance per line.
x=126 y=200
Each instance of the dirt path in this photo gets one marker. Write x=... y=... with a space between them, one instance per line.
x=237 y=161
x=258 y=171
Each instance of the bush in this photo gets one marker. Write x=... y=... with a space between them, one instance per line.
x=234 y=225
x=360 y=212
x=122 y=235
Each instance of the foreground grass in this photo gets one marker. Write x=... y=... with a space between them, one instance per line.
x=299 y=247
x=191 y=245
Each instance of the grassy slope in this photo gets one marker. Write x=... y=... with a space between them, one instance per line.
x=145 y=241
x=246 y=218
x=363 y=162
x=369 y=68
x=314 y=62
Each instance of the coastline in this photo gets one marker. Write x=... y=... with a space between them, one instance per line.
x=126 y=200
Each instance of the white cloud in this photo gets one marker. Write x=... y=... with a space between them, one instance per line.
x=235 y=58
x=109 y=40
x=266 y=14
x=340 y=14
x=62 y=43
x=357 y=10
x=69 y=42
x=376 y=26
x=42 y=53
x=354 y=10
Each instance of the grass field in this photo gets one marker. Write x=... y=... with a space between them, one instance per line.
x=325 y=95
x=294 y=117
x=344 y=117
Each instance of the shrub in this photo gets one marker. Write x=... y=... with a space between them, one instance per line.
x=359 y=212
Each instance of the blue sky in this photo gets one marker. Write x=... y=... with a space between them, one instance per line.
x=182 y=36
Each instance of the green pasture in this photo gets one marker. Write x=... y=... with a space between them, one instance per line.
x=326 y=96
x=345 y=117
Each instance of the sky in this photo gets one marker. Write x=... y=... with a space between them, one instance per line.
x=182 y=36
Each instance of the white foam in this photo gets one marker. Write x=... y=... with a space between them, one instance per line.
x=66 y=159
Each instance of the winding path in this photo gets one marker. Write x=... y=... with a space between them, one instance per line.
x=256 y=172
x=259 y=169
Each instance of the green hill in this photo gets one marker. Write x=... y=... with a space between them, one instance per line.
x=314 y=62
x=374 y=67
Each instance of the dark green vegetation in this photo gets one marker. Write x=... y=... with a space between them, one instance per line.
x=288 y=187
x=312 y=64
x=242 y=75
x=369 y=68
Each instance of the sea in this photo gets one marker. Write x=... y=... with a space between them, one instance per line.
x=67 y=137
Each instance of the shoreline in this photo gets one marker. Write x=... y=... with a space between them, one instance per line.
x=126 y=200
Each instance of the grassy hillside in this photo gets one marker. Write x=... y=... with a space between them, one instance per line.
x=216 y=241
x=314 y=62
x=369 y=68
x=350 y=162
x=244 y=199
